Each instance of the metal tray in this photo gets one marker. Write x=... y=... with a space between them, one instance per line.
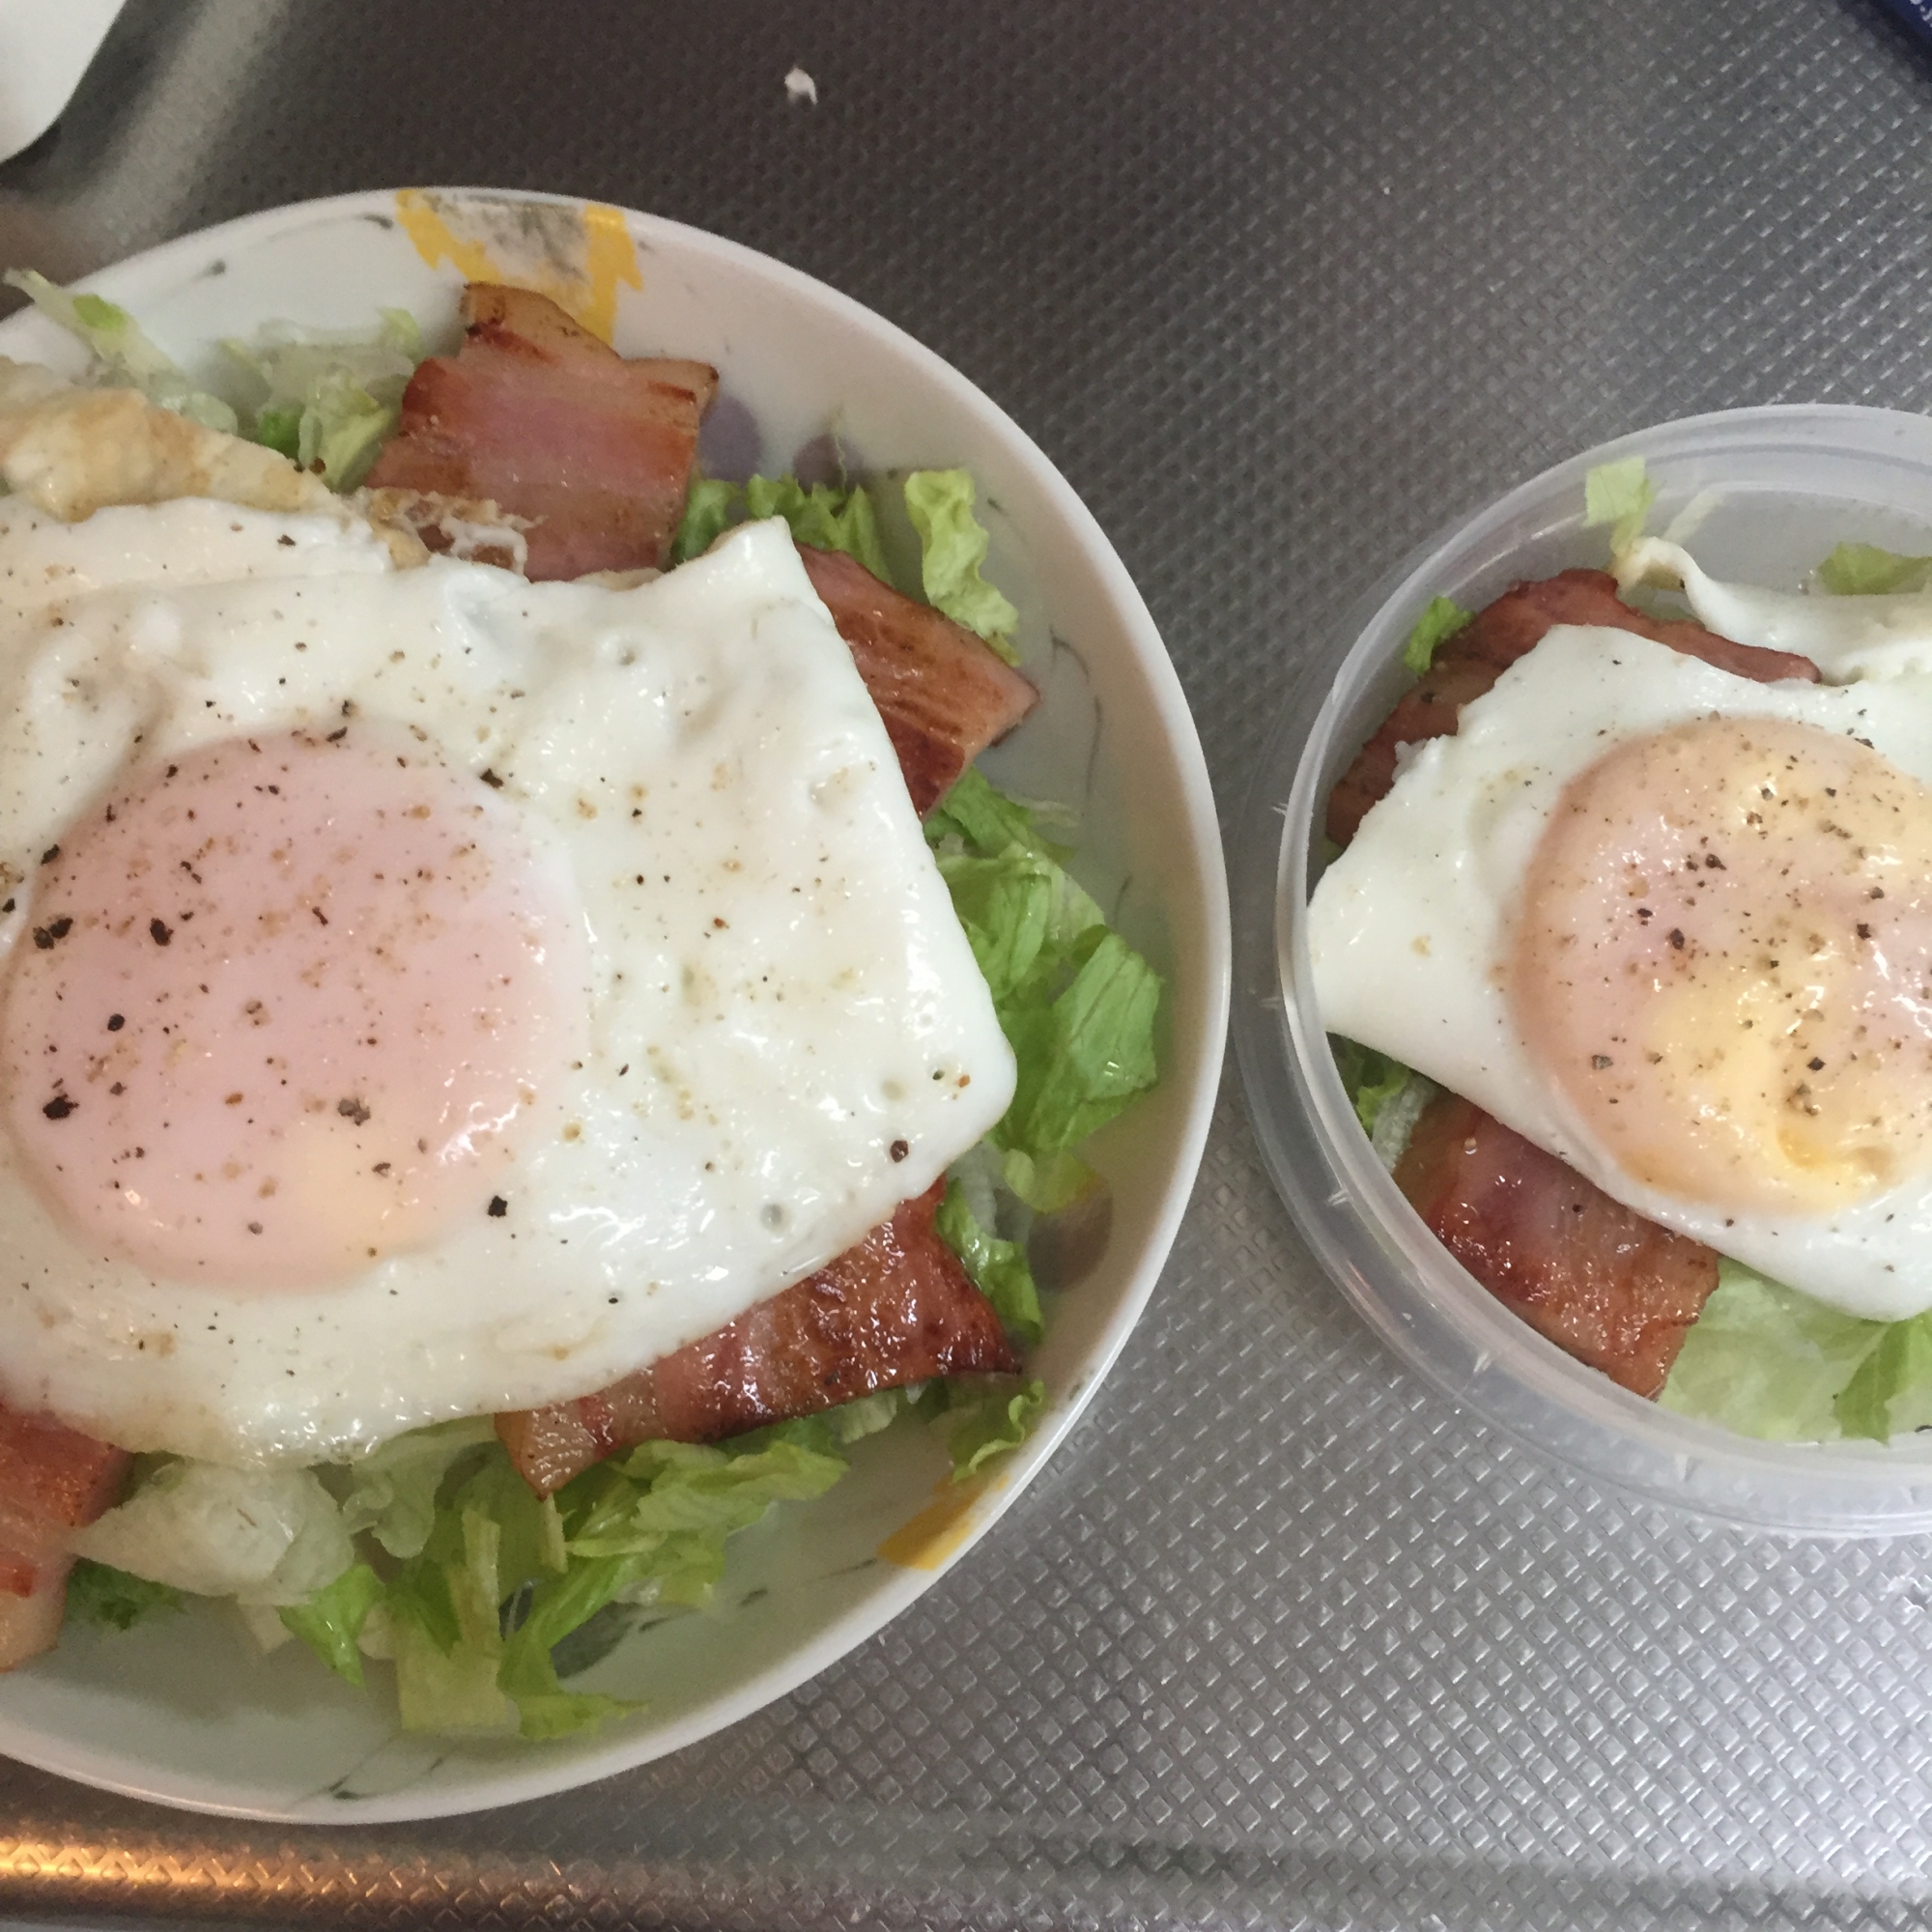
x=1282 y=1638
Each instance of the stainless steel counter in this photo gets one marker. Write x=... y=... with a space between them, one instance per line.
x=1282 y=1638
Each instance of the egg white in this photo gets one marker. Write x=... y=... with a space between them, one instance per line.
x=779 y=998
x=1410 y=928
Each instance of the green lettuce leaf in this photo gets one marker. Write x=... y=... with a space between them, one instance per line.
x=97 y=1593
x=446 y=1629
x=999 y=1269
x=1441 y=619
x=264 y=1536
x=986 y=821
x=710 y=509
x=504 y=1579
x=1084 y=1051
x=1864 y=570
x=1387 y=1096
x=1048 y=1184
x=1889 y=1393
x=1766 y=1361
x=122 y=356
x=329 y=401
x=1077 y=1004
x=392 y=1492
x=1370 y=1079
x=982 y=1427
x=824 y=515
x=330 y=1623
x=1621 y=494
x=953 y=546
x=1014 y=909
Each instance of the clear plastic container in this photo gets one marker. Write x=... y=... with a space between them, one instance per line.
x=1769 y=492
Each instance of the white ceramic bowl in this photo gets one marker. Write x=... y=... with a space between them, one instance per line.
x=1773 y=490
x=176 y=1711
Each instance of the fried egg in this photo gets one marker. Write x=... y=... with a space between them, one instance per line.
x=425 y=993
x=1676 y=928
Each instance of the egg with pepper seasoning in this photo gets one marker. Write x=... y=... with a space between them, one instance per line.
x=1675 y=927
x=428 y=993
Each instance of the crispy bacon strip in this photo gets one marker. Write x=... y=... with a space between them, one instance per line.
x=53 y=1481
x=943 y=693
x=1470 y=662
x=897 y=1308
x=538 y=416
x=1616 y=1291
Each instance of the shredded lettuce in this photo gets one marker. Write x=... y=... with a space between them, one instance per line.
x=980 y=1427
x=392 y=1494
x=1766 y=1361
x=332 y=1620
x=97 y=1593
x=1370 y=1079
x=1889 y=1393
x=953 y=541
x=1441 y=619
x=1387 y=1096
x=953 y=546
x=329 y=401
x=122 y=356
x=264 y=1536
x=1075 y=1001
x=1621 y=494
x=1864 y=570
x=824 y=515
x=710 y=509
x=999 y=1269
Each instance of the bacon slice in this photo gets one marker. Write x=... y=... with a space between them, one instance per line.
x=538 y=416
x=1470 y=662
x=897 y=1308
x=943 y=693
x=53 y=1481
x=1615 y=1290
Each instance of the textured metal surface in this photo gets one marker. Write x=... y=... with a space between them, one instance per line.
x=1282 y=1639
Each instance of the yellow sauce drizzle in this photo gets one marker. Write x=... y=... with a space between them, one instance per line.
x=936 y=1533
x=586 y=290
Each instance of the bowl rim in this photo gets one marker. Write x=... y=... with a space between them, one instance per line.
x=1196 y=1049
x=1368 y=1238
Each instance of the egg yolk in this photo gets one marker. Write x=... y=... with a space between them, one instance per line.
x=279 y=1002
x=1724 y=962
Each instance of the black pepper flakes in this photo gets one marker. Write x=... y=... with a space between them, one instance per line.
x=491 y=778
x=159 y=932
x=50 y=855
x=116 y=1021
x=899 y=1149
x=59 y=1108
x=352 y=1109
x=499 y=1207
x=1677 y=938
